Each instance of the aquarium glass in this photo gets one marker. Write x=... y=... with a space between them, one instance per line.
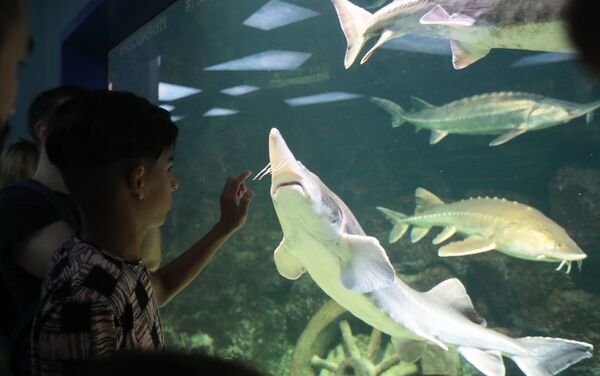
x=229 y=71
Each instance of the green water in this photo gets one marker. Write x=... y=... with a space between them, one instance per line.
x=240 y=307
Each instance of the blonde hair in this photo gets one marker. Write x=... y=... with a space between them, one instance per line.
x=18 y=162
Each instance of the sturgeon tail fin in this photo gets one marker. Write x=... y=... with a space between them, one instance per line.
x=392 y=108
x=549 y=356
x=352 y=20
x=399 y=225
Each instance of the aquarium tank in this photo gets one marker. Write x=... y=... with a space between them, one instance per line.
x=503 y=111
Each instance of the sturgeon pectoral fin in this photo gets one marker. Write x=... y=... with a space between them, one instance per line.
x=437 y=136
x=470 y=246
x=418 y=233
x=444 y=235
x=409 y=350
x=385 y=37
x=365 y=265
x=464 y=55
x=430 y=338
x=286 y=263
x=453 y=293
x=508 y=136
x=439 y=16
x=488 y=362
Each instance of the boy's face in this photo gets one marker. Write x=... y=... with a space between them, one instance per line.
x=159 y=185
x=12 y=53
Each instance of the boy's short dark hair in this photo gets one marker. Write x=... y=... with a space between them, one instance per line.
x=46 y=102
x=96 y=134
x=10 y=12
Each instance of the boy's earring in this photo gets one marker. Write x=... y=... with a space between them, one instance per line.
x=140 y=196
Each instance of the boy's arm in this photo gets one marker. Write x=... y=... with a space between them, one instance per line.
x=177 y=274
x=35 y=252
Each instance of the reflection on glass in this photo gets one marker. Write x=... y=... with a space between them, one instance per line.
x=239 y=90
x=332 y=96
x=171 y=92
x=417 y=43
x=267 y=60
x=277 y=13
x=176 y=118
x=168 y=107
x=543 y=58
x=218 y=111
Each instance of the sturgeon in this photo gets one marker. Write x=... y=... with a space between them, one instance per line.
x=489 y=224
x=508 y=114
x=321 y=236
x=473 y=27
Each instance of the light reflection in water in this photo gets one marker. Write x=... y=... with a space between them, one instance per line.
x=168 y=107
x=277 y=13
x=264 y=61
x=332 y=96
x=171 y=92
x=239 y=90
x=544 y=58
x=218 y=111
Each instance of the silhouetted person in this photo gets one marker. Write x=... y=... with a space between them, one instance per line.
x=14 y=47
x=584 y=30
x=18 y=162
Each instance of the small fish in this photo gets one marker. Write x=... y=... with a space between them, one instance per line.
x=473 y=27
x=508 y=114
x=488 y=224
x=322 y=237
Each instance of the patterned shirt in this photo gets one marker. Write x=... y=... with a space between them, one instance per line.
x=92 y=305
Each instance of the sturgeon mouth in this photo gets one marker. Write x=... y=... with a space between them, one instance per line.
x=289 y=184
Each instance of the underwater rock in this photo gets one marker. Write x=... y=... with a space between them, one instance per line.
x=570 y=313
x=575 y=203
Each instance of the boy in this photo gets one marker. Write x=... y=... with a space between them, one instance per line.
x=99 y=297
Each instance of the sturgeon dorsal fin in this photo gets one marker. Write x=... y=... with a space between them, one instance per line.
x=425 y=200
x=439 y=16
x=453 y=292
x=287 y=264
x=365 y=265
x=419 y=104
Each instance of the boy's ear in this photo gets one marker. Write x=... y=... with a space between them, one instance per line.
x=41 y=130
x=137 y=176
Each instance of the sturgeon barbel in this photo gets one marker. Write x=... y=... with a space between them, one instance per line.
x=508 y=114
x=489 y=224
x=321 y=236
x=473 y=27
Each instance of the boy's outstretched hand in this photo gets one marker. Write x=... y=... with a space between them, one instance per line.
x=235 y=199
